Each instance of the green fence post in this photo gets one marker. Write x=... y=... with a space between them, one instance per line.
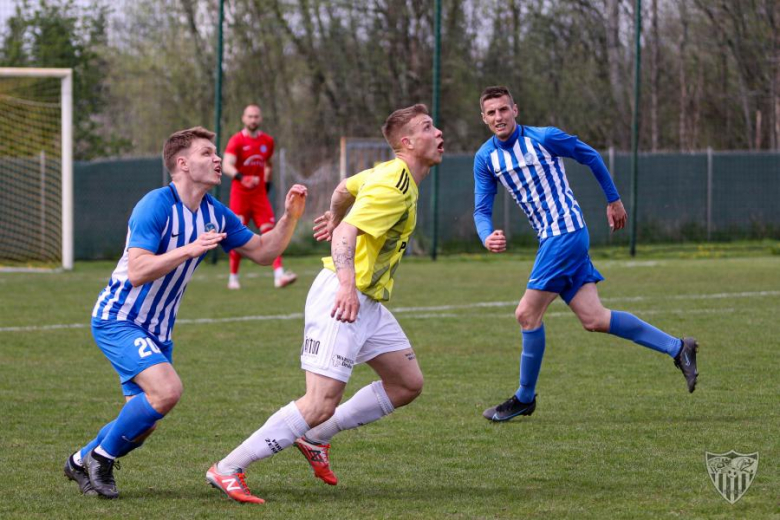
x=436 y=71
x=218 y=102
x=635 y=125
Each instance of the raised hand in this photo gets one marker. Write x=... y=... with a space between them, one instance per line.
x=295 y=202
x=324 y=226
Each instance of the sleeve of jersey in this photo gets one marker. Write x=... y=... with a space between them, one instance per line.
x=356 y=181
x=147 y=223
x=565 y=145
x=377 y=208
x=484 y=195
x=237 y=233
x=232 y=146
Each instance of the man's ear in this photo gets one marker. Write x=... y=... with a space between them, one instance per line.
x=182 y=164
x=406 y=142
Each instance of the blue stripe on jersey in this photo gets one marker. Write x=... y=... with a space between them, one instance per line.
x=517 y=186
x=530 y=166
x=558 y=220
x=160 y=223
x=543 y=204
x=157 y=311
x=549 y=177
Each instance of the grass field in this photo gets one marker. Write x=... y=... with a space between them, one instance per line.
x=615 y=434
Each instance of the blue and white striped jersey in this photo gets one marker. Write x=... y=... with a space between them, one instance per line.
x=530 y=166
x=161 y=223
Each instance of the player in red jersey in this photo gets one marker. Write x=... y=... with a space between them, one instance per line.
x=248 y=162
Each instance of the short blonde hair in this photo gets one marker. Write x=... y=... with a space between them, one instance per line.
x=182 y=140
x=396 y=122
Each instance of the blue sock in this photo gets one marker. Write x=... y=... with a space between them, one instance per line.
x=94 y=443
x=530 y=363
x=627 y=326
x=136 y=417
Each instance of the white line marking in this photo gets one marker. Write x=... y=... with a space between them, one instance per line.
x=433 y=311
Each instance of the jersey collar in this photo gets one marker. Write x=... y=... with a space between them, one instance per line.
x=174 y=192
x=509 y=143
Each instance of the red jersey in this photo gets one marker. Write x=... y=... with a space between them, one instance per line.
x=251 y=155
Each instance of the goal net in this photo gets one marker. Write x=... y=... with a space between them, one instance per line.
x=36 y=199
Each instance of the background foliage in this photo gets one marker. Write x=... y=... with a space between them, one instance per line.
x=323 y=69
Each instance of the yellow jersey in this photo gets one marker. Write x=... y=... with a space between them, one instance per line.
x=385 y=210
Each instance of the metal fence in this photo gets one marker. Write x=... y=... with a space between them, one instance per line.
x=719 y=196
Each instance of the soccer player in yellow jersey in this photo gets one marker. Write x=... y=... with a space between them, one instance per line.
x=346 y=322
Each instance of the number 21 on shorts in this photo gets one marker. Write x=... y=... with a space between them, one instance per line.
x=146 y=347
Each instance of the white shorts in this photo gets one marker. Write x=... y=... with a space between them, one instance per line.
x=331 y=347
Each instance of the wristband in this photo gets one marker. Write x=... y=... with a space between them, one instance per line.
x=238 y=176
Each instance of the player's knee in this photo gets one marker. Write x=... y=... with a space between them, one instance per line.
x=164 y=399
x=404 y=390
x=595 y=323
x=411 y=388
x=527 y=319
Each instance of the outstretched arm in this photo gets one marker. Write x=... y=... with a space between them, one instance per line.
x=264 y=249
x=340 y=202
x=144 y=266
x=565 y=145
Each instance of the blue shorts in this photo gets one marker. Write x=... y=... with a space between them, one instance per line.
x=563 y=265
x=130 y=349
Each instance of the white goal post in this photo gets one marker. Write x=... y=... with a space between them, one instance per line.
x=66 y=136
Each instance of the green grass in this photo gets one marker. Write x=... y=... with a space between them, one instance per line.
x=615 y=435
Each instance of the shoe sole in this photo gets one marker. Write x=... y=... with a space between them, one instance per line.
x=225 y=494
x=524 y=412
x=696 y=377
x=692 y=387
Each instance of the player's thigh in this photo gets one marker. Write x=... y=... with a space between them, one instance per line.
x=388 y=351
x=130 y=349
x=323 y=389
x=588 y=308
x=330 y=347
x=399 y=369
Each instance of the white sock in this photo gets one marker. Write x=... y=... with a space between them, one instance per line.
x=369 y=404
x=233 y=277
x=100 y=451
x=278 y=272
x=278 y=433
x=77 y=459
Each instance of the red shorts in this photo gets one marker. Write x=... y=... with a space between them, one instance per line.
x=252 y=206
